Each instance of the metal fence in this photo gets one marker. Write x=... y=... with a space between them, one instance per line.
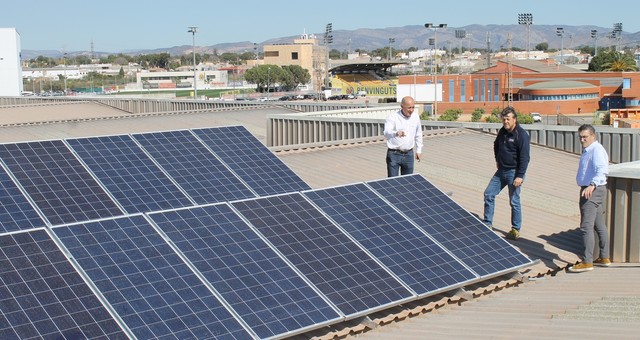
x=622 y=144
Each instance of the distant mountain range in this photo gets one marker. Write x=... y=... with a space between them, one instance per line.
x=498 y=36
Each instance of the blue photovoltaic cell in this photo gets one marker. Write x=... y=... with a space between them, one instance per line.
x=193 y=166
x=15 y=211
x=137 y=183
x=258 y=284
x=253 y=162
x=57 y=182
x=395 y=241
x=43 y=297
x=349 y=277
x=447 y=222
x=149 y=286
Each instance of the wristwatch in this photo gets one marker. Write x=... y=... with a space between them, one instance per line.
x=592 y=184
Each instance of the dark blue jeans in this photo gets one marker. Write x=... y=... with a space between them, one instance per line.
x=502 y=178
x=399 y=162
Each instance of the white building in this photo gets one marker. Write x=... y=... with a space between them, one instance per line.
x=10 y=70
x=206 y=79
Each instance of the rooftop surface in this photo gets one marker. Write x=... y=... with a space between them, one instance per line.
x=549 y=303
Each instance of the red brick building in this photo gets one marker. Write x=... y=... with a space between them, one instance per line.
x=535 y=86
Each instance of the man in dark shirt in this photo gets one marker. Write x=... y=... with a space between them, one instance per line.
x=511 y=150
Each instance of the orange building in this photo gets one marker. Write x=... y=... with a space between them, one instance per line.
x=534 y=86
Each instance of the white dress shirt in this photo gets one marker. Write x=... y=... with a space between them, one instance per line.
x=594 y=165
x=411 y=126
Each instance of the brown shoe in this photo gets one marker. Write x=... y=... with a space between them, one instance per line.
x=580 y=267
x=602 y=262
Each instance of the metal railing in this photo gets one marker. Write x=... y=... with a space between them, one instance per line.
x=622 y=144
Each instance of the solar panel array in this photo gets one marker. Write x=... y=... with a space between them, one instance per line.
x=205 y=233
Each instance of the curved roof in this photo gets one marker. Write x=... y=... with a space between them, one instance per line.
x=558 y=84
x=352 y=67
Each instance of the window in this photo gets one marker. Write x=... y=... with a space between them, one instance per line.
x=294 y=55
x=626 y=83
x=451 y=90
x=272 y=54
x=463 y=90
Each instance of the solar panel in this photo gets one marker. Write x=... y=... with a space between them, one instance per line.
x=410 y=254
x=258 y=284
x=253 y=162
x=56 y=181
x=349 y=277
x=193 y=166
x=43 y=297
x=137 y=183
x=147 y=283
x=447 y=222
x=16 y=213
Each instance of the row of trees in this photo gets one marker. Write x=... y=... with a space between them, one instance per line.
x=266 y=76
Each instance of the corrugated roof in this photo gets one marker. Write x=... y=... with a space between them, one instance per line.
x=554 y=305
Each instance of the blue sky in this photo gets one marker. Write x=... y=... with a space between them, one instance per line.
x=119 y=26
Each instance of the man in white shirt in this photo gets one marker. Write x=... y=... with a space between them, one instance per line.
x=403 y=132
x=592 y=179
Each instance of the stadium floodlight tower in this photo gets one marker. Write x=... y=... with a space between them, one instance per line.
x=617 y=33
x=391 y=41
x=193 y=30
x=527 y=20
x=560 y=33
x=328 y=39
x=460 y=34
x=594 y=36
x=435 y=74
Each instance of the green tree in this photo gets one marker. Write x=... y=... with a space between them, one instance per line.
x=609 y=60
x=296 y=76
x=334 y=54
x=542 y=46
x=264 y=76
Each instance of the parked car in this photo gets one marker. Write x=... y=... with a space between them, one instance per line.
x=536 y=117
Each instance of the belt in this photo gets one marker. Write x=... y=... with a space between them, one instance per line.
x=404 y=152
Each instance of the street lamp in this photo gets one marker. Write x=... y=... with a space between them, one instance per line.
x=391 y=41
x=594 y=36
x=560 y=33
x=268 y=81
x=435 y=75
x=193 y=30
x=526 y=19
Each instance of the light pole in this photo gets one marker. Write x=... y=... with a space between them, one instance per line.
x=460 y=34
x=435 y=74
x=193 y=30
x=328 y=39
x=526 y=19
x=391 y=41
x=594 y=36
x=268 y=81
x=64 y=59
x=560 y=33
x=617 y=32
x=255 y=50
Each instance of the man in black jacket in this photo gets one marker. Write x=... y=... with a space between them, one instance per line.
x=511 y=150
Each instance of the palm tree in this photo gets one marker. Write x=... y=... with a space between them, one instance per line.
x=620 y=62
